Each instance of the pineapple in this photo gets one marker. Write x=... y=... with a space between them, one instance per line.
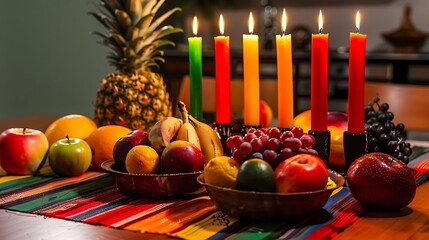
x=135 y=96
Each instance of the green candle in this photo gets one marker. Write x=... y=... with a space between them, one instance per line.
x=195 y=72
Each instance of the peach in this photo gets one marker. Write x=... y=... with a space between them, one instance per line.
x=337 y=125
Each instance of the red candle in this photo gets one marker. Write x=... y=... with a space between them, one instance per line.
x=319 y=80
x=356 y=80
x=222 y=61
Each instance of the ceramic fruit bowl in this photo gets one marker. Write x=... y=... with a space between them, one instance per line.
x=265 y=206
x=155 y=185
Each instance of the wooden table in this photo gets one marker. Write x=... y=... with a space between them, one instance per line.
x=409 y=223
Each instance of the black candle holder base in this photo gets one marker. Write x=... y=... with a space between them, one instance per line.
x=245 y=128
x=285 y=129
x=322 y=144
x=224 y=130
x=355 y=146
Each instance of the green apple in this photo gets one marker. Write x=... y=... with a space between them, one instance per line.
x=70 y=157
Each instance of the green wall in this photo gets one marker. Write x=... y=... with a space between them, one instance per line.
x=50 y=64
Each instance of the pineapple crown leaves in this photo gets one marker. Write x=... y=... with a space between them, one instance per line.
x=134 y=33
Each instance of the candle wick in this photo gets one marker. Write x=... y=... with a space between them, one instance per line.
x=357 y=30
x=320 y=30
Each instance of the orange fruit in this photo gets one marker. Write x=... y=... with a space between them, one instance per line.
x=222 y=172
x=102 y=141
x=142 y=159
x=256 y=175
x=72 y=125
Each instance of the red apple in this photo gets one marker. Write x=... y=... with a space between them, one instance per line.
x=337 y=124
x=70 y=157
x=22 y=150
x=181 y=157
x=265 y=114
x=124 y=145
x=381 y=181
x=301 y=173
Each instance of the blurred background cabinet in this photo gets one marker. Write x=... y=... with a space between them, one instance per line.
x=380 y=67
x=54 y=67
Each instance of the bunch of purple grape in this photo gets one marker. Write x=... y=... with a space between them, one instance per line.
x=270 y=144
x=383 y=135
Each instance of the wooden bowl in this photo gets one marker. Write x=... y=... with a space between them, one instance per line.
x=155 y=185
x=266 y=206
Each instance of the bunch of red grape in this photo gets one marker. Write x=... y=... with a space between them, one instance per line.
x=383 y=135
x=270 y=144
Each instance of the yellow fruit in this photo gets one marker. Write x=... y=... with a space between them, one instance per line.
x=73 y=125
x=102 y=141
x=222 y=172
x=142 y=159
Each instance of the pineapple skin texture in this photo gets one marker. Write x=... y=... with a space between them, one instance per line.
x=136 y=101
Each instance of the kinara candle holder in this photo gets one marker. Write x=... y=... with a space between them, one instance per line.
x=355 y=146
x=224 y=131
x=322 y=144
x=245 y=128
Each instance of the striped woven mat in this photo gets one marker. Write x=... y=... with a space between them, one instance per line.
x=93 y=198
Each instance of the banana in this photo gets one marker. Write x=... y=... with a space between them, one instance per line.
x=161 y=134
x=187 y=131
x=211 y=145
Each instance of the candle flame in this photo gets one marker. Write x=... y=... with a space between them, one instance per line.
x=284 y=21
x=251 y=23
x=195 y=26
x=221 y=25
x=357 y=21
x=320 y=21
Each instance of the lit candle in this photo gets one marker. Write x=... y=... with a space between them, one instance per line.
x=319 y=80
x=222 y=60
x=196 y=72
x=284 y=76
x=356 y=86
x=251 y=76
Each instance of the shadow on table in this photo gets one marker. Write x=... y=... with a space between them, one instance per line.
x=387 y=214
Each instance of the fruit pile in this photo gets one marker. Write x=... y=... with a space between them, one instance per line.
x=269 y=160
x=73 y=143
x=270 y=144
x=301 y=173
x=172 y=145
x=383 y=135
x=64 y=145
